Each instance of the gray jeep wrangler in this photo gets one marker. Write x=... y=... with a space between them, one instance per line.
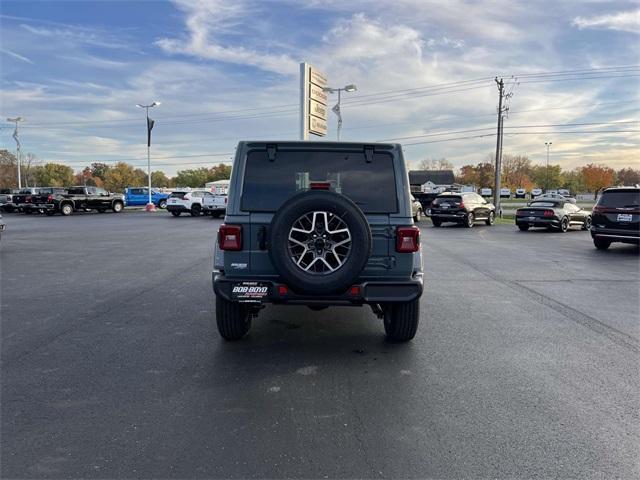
x=318 y=224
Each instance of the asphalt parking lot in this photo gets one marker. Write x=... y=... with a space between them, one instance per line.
x=525 y=363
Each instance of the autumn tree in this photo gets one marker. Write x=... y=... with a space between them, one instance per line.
x=54 y=175
x=516 y=171
x=597 y=177
x=8 y=170
x=121 y=176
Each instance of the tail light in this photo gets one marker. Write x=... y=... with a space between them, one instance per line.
x=50 y=198
x=320 y=185
x=28 y=199
x=230 y=237
x=519 y=213
x=461 y=204
x=407 y=239
x=601 y=209
x=225 y=200
x=548 y=213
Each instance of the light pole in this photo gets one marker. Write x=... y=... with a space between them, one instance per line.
x=150 y=206
x=336 y=109
x=547 y=144
x=16 y=120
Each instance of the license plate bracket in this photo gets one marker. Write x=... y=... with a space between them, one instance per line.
x=249 y=292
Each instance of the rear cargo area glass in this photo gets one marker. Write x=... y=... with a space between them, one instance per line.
x=268 y=184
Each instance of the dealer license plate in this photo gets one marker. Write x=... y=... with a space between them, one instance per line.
x=625 y=217
x=249 y=292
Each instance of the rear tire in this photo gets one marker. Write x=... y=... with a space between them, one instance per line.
x=401 y=320
x=601 y=244
x=564 y=225
x=587 y=224
x=436 y=223
x=233 y=319
x=117 y=207
x=523 y=228
x=175 y=214
x=469 y=220
x=196 y=210
x=66 y=209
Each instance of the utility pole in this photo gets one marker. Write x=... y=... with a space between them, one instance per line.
x=547 y=144
x=16 y=120
x=496 y=192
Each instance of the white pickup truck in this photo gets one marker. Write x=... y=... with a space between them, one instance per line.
x=215 y=204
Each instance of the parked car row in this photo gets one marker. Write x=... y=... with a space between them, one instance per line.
x=52 y=200
x=615 y=217
x=522 y=192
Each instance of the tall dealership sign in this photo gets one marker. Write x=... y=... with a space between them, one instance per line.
x=313 y=102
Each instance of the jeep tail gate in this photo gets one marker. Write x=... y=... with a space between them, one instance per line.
x=320 y=224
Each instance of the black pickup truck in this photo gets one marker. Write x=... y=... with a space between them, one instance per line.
x=84 y=198
x=41 y=201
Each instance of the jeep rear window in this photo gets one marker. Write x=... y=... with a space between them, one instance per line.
x=268 y=184
x=620 y=199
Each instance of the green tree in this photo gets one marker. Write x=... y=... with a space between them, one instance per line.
x=99 y=170
x=159 y=179
x=550 y=178
x=192 y=178
x=54 y=175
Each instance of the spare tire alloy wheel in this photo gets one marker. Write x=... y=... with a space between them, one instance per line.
x=319 y=242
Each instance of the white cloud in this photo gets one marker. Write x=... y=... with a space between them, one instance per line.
x=206 y=20
x=16 y=55
x=621 y=21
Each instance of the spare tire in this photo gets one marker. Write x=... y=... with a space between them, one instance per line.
x=319 y=242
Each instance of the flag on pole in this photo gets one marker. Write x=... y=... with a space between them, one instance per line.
x=150 y=124
x=15 y=137
x=336 y=110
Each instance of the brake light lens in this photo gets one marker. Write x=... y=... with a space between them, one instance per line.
x=225 y=200
x=320 y=185
x=50 y=198
x=407 y=239
x=461 y=204
x=548 y=213
x=230 y=237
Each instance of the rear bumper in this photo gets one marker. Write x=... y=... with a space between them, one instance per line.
x=177 y=208
x=370 y=292
x=38 y=206
x=538 y=222
x=448 y=217
x=632 y=237
x=213 y=208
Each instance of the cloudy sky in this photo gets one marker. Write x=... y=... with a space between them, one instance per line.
x=227 y=70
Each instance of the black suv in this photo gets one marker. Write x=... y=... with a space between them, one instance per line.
x=466 y=208
x=318 y=224
x=616 y=217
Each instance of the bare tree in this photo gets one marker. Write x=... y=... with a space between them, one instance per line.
x=30 y=164
x=435 y=164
